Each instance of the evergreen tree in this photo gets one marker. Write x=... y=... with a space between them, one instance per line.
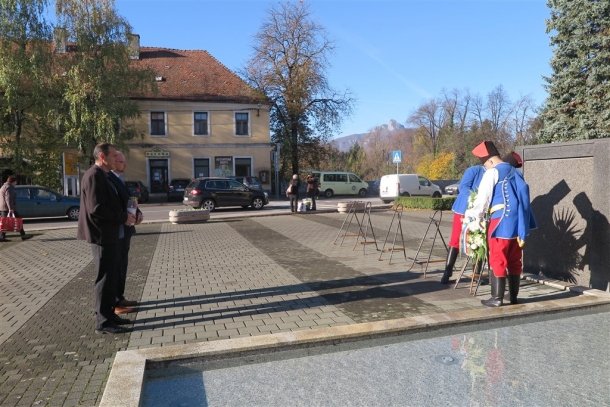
x=578 y=106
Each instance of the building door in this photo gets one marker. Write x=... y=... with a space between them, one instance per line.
x=243 y=167
x=158 y=175
x=202 y=167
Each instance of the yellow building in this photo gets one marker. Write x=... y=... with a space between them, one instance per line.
x=203 y=121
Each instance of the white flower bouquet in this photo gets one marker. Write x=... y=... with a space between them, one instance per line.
x=474 y=234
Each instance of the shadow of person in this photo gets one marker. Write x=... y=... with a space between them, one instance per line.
x=596 y=242
x=555 y=230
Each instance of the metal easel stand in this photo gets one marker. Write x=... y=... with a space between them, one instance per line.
x=437 y=232
x=352 y=215
x=398 y=210
x=474 y=275
x=366 y=221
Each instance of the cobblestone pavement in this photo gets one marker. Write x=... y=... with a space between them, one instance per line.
x=200 y=282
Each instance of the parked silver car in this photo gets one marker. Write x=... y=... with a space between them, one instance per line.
x=452 y=189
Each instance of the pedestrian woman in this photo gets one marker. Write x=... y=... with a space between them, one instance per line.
x=312 y=190
x=293 y=193
x=8 y=205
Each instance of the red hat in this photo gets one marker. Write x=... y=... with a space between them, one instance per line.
x=485 y=150
x=513 y=159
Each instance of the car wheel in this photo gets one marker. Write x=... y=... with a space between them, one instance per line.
x=328 y=193
x=405 y=194
x=208 y=204
x=73 y=213
x=437 y=195
x=257 y=203
x=385 y=201
x=362 y=193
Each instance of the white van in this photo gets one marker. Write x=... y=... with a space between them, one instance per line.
x=395 y=185
x=340 y=183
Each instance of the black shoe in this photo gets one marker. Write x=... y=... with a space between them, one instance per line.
x=112 y=329
x=26 y=237
x=119 y=321
x=4 y=240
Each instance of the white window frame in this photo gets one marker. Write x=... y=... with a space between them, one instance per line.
x=235 y=123
x=165 y=128
x=208 y=123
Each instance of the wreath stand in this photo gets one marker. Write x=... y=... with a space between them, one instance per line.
x=475 y=278
x=437 y=232
x=398 y=210
x=362 y=222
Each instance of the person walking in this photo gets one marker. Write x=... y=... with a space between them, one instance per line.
x=123 y=305
x=312 y=190
x=469 y=183
x=8 y=205
x=101 y=214
x=293 y=193
x=505 y=195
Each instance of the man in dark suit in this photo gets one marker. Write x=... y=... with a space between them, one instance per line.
x=123 y=305
x=101 y=214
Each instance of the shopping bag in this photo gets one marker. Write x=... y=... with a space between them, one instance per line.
x=10 y=223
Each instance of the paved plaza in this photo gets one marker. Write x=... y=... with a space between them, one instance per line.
x=222 y=279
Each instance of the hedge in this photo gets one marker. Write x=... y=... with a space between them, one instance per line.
x=425 y=202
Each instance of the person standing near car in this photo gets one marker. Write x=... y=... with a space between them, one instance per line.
x=99 y=221
x=8 y=205
x=312 y=190
x=123 y=305
x=293 y=193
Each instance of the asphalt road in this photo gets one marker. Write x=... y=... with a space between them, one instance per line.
x=158 y=212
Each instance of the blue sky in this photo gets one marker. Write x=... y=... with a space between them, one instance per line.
x=393 y=55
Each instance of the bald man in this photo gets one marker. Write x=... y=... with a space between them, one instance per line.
x=123 y=305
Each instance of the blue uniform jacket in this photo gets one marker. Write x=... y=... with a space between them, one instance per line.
x=470 y=182
x=511 y=203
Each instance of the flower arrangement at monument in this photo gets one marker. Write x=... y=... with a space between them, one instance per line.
x=474 y=234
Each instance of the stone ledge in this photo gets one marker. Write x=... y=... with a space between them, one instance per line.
x=178 y=216
x=126 y=378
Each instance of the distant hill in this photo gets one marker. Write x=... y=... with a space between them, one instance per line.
x=387 y=131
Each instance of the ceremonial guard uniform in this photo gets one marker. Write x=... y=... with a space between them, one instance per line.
x=469 y=182
x=504 y=193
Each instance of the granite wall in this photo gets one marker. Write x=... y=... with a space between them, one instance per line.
x=570 y=195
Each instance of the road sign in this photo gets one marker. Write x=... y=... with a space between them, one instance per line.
x=396 y=156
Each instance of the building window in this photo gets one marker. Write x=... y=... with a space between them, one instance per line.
x=157 y=123
x=200 y=123
x=201 y=167
x=241 y=124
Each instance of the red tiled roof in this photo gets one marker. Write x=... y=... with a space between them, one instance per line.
x=193 y=75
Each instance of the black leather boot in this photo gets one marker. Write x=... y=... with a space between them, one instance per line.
x=513 y=287
x=498 y=286
x=451 y=257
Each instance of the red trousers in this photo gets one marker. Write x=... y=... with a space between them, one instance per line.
x=456 y=231
x=504 y=254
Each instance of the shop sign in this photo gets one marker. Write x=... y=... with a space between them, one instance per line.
x=157 y=153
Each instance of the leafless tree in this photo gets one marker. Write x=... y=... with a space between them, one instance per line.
x=288 y=68
x=430 y=118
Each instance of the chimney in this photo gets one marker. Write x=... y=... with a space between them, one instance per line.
x=60 y=35
x=133 y=46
